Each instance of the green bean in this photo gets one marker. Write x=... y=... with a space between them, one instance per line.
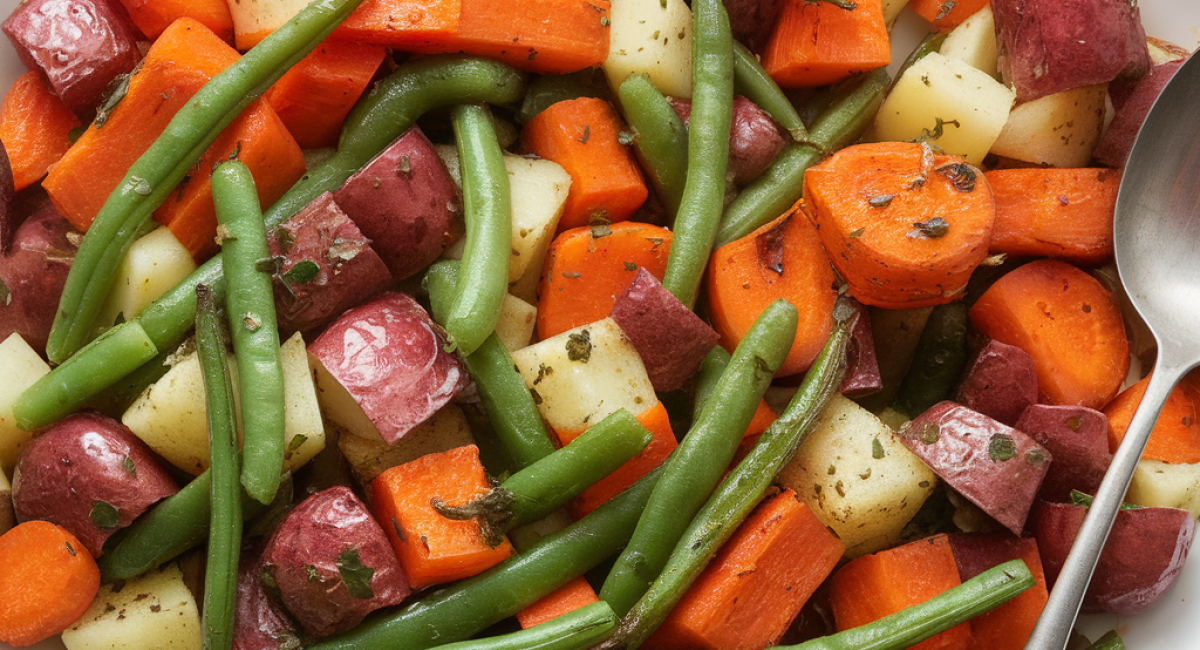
x=711 y=368
x=574 y=630
x=708 y=150
x=514 y=416
x=165 y=164
x=660 y=138
x=549 y=89
x=938 y=362
x=390 y=109
x=751 y=81
x=549 y=484
x=467 y=607
x=740 y=491
x=697 y=464
x=250 y=308
x=914 y=624
x=1110 y=641
x=225 y=530
x=487 y=210
x=781 y=185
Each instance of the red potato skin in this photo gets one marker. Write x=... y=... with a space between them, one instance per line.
x=671 y=339
x=754 y=138
x=406 y=203
x=8 y=213
x=33 y=273
x=1045 y=48
x=862 y=366
x=391 y=357
x=1132 y=102
x=752 y=21
x=1142 y=558
x=311 y=541
x=963 y=448
x=350 y=269
x=259 y=623
x=1077 y=438
x=80 y=45
x=1000 y=383
x=71 y=465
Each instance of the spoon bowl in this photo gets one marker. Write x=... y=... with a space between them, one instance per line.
x=1156 y=236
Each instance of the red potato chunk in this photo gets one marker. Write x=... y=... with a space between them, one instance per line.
x=1077 y=438
x=80 y=45
x=32 y=275
x=862 y=366
x=1001 y=382
x=332 y=563
x=1132 y=102
x=993 y=465
x=751 y=21
x=8 y=214
x=391 y=357
x=259 y=623
x=406 y=203
x=754 y=138
x=90 y=475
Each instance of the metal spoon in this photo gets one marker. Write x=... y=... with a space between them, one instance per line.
x=1157 y=240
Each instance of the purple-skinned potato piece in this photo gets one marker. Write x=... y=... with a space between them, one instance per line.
x=671 y=339
x=1132 y=102
x=332 y=563
x=754 y=138
x=90 y=475
x=1142 y=558
x=862 y=366
x=33 y=273
x=8 y=213
x=259 y=623
x=1077 y=438
x=752 y=21
x=1000 y=382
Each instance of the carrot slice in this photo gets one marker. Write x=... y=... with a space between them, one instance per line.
x=903 y=226
x=817 y=43
x=583 y=135
x=757 y=583
x=182 y=60
x=34 y=127
x=874 y=586
x=1068 y=322
x=564 y=600
x=1061 y=213
x=587 y=268
x=944 y=14
x=153 y=17
x=1175 y=437
x=47 y=581
x=411 y=25
x=783 y=259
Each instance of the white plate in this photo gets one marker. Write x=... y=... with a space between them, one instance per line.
x=1169 y=625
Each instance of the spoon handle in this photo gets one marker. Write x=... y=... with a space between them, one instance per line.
x=1058 y=617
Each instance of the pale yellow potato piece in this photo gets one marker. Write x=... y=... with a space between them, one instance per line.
x=974 y=41
x=514 y=328
x=7 y=518
x=654 y=37
x=154 y=611
x=891 y=9
x=1060 y=130
x=22 y=367
x=1168 y=485
x=153 y=266
x=254 y=19
x=445 y=430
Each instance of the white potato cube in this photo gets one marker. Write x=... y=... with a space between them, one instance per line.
x=22 y=367
x=445 y=430
x=1168 y=485
x=153 y=266
x=514 y=328
x=584 y=375
x=303 y=428
x=254 y=19
x=858 y=478
x=891 y=9
x=654 y=37
x=941 y=95
x=1060 y=130
x=151 y=612
x=974 y=41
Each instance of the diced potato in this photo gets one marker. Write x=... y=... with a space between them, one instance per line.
x=151 y=612
x=974 y=41
x=1169 y=485
x=858 y=478
x=254 y=19
x=891 y=9
x=515 y=326
x=303 y=429
x=585 y=374
x=946 y=102
x=154 y=265
x=651 y=36
x=1164 y=51
x=446 y=430
x=1060 y=130
x=22 y=367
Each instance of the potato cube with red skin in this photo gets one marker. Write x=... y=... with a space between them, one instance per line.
x=993 y=465
x=259 y=622
x=391 y=357
x=332 y=563
x=1132 y=102
x=80 y=45
x=1077 y=438
x=751 y=21
x=90 y=475
x=754 y=138
x=671 y=339
x=1008 y=626
x=862 y=366
x=1000 y=382
x=34 y=272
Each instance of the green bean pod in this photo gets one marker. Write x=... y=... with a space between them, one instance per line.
x=697 y=464
x=708 y=150
x=574 y=630
x=154 y=176
x=515 y=418
x=709 y=374
x=225 y=530
x=660 y=138
x=939 y=360
x=250 y=308
x=751 y=81
x=487 y=210
x=1110 y=641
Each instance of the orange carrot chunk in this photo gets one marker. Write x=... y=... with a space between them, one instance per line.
x=1068 y=322
x=783 y=259
x=946 y=14
x=905 y=227
x=874 y=586
x=34 y=127
x=47 y=581
x=182 y=60
x=818 y=43
x=756 y=584
x=587 y=268
x=314 y=97
x=1061 y=213
x=1175 y=437
x=153 y=17
x=583 y=135
x=427 y=26
x=259 y=139
x=564 y=600
x=432 y=548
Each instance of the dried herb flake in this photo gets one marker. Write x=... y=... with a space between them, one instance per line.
x=1002 y=447
x=104 y=514
x=356 y=576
